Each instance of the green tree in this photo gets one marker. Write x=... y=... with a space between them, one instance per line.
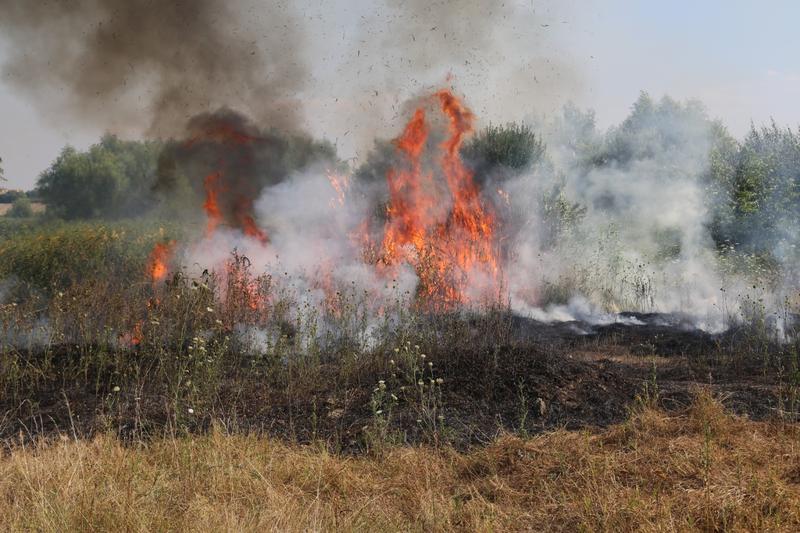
x=9 y=197
x=110 y=179
x=761 y=192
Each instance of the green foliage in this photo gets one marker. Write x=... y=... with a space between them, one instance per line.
x=505 y=149
x=559 y=215
x=656 y=130
x=21 y=208
x=764 y=190
x=379 y=160
x=55 y=255
x=9 y=197
x=111 y=179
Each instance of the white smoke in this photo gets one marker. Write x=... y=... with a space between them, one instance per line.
x=640 y=243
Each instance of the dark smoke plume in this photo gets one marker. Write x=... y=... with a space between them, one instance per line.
x=153 y=64
x=227 y=160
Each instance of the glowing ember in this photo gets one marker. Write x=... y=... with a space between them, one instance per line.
x=450 y=250
x=505 y=196
x=134 y=337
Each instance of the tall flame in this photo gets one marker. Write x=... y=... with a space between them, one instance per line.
x=340 y=184
x=243 y=207
x=453 y=251
x=211 y=205
x=230 y=147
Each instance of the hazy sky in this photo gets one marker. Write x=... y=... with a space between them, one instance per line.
x=739 y=57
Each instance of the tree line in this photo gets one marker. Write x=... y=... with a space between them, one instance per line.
x=752 y=185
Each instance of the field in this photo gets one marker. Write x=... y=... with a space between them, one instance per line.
x=399 y=266
x=700 y=469
x=37 y=207
x=194 y=403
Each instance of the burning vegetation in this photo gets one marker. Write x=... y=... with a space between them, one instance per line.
x=457 y=282
x=436 y=220
x=447 y=235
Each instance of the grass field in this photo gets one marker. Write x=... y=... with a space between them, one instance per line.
x=227 y=403
x=700 y=469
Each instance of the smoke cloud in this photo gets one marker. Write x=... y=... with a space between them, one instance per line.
x=620 y=225
x=130 y=65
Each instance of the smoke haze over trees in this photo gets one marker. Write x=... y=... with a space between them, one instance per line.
x=667 y=194
x=749 y=188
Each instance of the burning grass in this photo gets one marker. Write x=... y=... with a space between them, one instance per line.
x=700 y=469
x=129 y=334
x=300 y=359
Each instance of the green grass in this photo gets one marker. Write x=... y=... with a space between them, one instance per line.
x=57 y=254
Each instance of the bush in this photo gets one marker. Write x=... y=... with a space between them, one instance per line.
x=505 y=149
x=21 y=208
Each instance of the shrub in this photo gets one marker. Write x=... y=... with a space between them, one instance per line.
x=505 y=149
x=21 y=208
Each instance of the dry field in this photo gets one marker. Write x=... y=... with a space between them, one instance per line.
x=699 y=469
x=37 y=207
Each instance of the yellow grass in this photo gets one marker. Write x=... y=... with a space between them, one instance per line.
x=703 y=470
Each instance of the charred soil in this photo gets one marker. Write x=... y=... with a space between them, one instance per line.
x=525 y=378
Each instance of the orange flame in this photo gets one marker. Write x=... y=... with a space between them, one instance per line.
x=134 y=337
x=211 y=205
x=410 y=206
x=228 y=191
x=243 y=208
x=450 y=250
x=157 y=262
x=340 y=184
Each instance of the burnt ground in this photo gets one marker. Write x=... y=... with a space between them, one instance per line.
x=538 y=377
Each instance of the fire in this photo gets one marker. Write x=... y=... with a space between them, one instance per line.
x=436 y=219
x=157 y=262
x=449 y=249
x=340 y=184
x=134 y=337
x=243 y=207
x=211 y=205
x=410 y=206
x=230 y=148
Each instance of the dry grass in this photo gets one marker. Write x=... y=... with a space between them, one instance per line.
x=702 y=470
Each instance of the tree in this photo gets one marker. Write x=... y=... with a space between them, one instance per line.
x=9 y=197
x=760 y=191
x=112 y=178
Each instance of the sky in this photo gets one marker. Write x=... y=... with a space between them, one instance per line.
x=738 y=57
